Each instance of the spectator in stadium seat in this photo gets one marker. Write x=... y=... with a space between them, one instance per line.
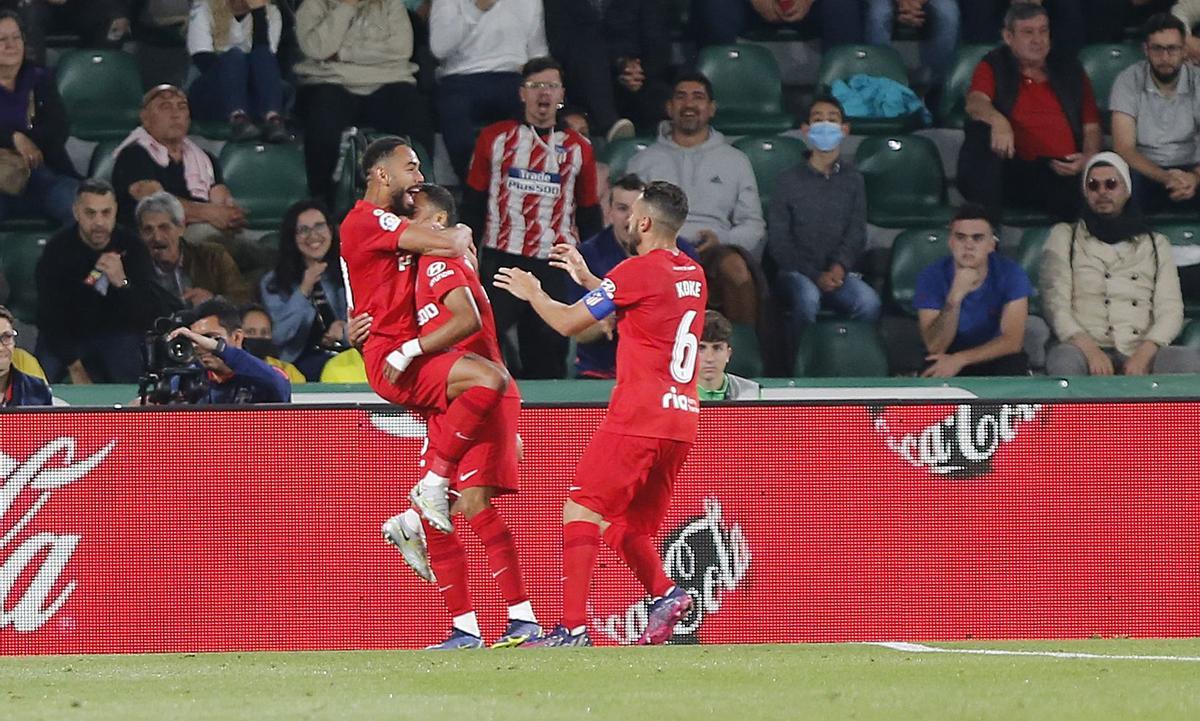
x=258 y=341
x=1033 y=123
x=596 y=347
x=1156 y=119
x=712 y=382
x=1110 y=287
x=558 y=187
x=615 y=58
x=720 y=22
x=972 y=305
x=573 y=117
x=96 y=295
x=233 y=44
x=818 y=226
x=724 y=212
x=17 y=388
x=304 y=293
x=190 y=272
x=357 y=70
x=159 y=156
x=482 y=45
x=33 y=133
x=936 y=20
x=1074 y=23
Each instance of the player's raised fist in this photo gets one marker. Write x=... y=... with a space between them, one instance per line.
x=520 y=283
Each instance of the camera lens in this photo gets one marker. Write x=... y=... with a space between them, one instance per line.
x=180 y=350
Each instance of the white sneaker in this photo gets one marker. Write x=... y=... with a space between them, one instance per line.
x=407 y=535
x=621 y=130
x=434 y=507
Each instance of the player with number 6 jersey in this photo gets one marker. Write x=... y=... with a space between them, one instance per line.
x=623 y=482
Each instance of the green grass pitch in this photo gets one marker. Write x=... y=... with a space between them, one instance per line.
x=809 y=681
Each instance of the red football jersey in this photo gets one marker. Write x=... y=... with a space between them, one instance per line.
x=660 y=299
x=380 y=279
x=436 y=277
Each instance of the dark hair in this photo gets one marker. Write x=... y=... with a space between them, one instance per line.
x=717 y=328
x=289 y=268
x=566 y=110
x=691 y=75
x=668 y=203
x=13 y=15
x=441 y=199
x=5 y=313
x=827 y=99
x=379 y=149
x=973 y=211
x=537 y=65
x=227 y=314
x=1158 y=22
x=1022 y=10
x=629 y=181
x=255 y=308
x=95 y=186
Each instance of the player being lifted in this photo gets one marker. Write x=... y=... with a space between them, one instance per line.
x=453 y=310
x=623 y=482
x=379 y=255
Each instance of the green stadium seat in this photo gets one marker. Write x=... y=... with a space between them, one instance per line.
x=748 y=89
x=1029 y=257
x=844 y=61
x=912 y=251
x=952 y=106
x=1190 y=336
x=746 y=360
x=265 y=180
x=770 y=156
x=19 y=254
x=1183 y=234
x=841 y=349
x=906 y=184
x=618 y=153
x=102 y=162
x=102 y=92
x=1103 y=63
x=1026 y=217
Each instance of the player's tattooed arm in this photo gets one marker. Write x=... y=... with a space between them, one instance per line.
x=565 y=319
x=568 y=258
x=464 y=322
x=446 y=243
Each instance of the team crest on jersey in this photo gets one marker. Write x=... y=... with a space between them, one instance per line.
x=387 y=221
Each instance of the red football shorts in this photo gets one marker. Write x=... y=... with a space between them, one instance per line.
x=492 y=460
x=422 y=385
x=628 y=479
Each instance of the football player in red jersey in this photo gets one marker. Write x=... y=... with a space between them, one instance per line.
x=623 y=481
x=453 y=309
x=379 y=254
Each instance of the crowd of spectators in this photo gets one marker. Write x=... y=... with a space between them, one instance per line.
x=521 y=92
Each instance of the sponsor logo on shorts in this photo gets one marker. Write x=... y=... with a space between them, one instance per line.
x=467 y=475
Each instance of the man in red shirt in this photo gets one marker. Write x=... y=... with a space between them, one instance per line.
x=379 y=254
x=623 y=482
x=453 y=310
x=1034 y=123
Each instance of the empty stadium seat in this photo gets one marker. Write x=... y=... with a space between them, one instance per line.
x=912 y=251
x=618 y=153
x=748 y=89
x=952 y=106
x=19 y=254
x=1190 y=336
x=102 y=92
x=265 y=180
x=845 y=349
x=905 y=181
x=1103 y=63
x=1183 y=234
x=1029 y=257
x=746 y=360
x=844 y=61
x=102 y=162
x=770 y=156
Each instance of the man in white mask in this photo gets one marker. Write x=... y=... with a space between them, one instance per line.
x=817 y=226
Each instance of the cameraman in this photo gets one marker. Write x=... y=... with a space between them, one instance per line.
x=234 y=376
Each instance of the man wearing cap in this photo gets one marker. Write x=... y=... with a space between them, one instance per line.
x=158 y=156
x=1110 y=288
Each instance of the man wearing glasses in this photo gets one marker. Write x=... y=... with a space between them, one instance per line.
x=1156 y=119
x=17 y=388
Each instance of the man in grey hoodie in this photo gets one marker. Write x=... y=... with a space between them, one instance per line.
x=724 y=213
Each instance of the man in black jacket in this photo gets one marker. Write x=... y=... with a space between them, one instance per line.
x=96 y=295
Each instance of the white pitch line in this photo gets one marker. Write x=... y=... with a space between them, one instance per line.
x=922 y=648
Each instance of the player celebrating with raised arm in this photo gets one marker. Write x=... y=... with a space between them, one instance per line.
x=453 y=310
x=379 y=253
x=623 y=481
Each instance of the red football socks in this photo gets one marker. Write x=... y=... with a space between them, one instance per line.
x=497 y=541
x=581 y=543
x=449 y=564
x=463 y=419
x=637 y=551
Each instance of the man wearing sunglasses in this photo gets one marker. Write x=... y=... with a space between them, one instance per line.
x=1110 y=289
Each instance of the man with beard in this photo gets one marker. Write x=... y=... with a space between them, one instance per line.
x=1156 y=119
x=1110 y=289
x=97 y=295
x=379 y=259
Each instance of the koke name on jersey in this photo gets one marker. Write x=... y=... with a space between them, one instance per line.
x=688 y=288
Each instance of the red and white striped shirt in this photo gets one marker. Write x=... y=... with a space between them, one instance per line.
x=534 y=184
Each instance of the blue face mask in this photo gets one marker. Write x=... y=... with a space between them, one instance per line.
x=825 y=136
